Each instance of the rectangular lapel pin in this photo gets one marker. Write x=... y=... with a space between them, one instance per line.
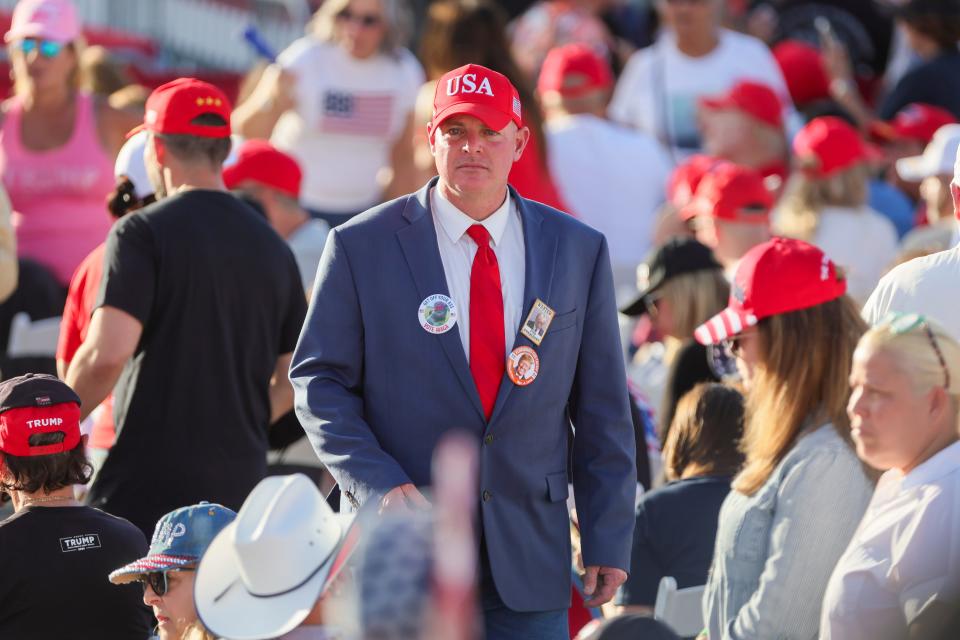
x=537 y=322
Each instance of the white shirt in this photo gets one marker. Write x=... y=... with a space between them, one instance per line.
x=613 y=180
x=349 y=114
x=861 y=241
x=926 y=285
x=307 y=244
x=660 y=88
x=904 y=556
x=457 y=250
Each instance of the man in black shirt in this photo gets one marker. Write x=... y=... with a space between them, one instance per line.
x=55 y=553
x=199 y=309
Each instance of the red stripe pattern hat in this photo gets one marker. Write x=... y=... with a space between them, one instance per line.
x=778 y=276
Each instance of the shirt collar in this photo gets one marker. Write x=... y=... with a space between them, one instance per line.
x=943 y=462
x=455 y=222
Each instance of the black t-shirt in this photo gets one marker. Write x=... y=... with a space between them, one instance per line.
x=674 y=536
x=935 y=82
x=220 y=298
x=54 y=563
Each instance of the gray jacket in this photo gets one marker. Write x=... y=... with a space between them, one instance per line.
x=776 y=549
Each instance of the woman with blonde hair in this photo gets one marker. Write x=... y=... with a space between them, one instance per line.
x=341 y=101
x=57 y=142
x=901 y=572
x=681 y=285
x=802 y=490
x=825 y=204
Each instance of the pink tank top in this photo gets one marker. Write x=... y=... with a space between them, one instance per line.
x=58 y=196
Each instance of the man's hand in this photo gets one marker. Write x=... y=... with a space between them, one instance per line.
x=406 y=497
x=601 y=583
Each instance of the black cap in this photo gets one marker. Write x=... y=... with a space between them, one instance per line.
x=675 y=257
x=34 y=390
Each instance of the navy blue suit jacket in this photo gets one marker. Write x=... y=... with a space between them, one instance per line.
x=375 y=392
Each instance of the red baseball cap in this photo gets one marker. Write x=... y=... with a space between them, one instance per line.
x=259 y=161
x=731 y=192
x=36 y=404
x=476 y=91
x=574 y=70
x=916 y=121
x=172 y=106
x=803 y=71
x=828 y=145
x=752 y=98
x=686 y=178
x=778 y=276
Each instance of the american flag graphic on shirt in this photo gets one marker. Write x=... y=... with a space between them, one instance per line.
x=358 y=114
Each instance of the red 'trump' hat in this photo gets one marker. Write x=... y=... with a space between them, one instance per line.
x=917 y=121
x=803 y=71
x=34 y=404
x=574 y=70
x=828 y=145
x=686 y=178
x=172 y=106
x=778 y=276
x=753 y=98
x=259 y=161
x=731 y=192
x=477 y=91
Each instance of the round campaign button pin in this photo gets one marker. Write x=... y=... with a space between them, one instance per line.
x=523 y=365
x=437 y=313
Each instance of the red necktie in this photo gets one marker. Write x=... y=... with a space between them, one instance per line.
x=487 y=348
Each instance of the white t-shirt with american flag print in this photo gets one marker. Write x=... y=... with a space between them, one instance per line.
x=349 y=114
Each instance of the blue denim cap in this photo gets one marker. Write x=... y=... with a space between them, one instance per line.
x=179 y=540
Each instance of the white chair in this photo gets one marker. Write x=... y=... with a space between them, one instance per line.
x=37 y=338
x=679 y=609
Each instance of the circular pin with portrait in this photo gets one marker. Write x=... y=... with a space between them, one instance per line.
x=523 y=365
x=437 y=313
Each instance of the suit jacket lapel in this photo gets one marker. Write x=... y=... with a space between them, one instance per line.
x=540 y=252
x=418 y=240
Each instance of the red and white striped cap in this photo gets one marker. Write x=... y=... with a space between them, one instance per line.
x=778 y=276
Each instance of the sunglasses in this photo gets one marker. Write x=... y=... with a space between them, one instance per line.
x=157 y=580
x=363 y=19
x=734 y=344
x=901 y=323
x=48 y=48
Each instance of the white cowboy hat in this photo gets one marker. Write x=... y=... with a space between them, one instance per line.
x=263 y=574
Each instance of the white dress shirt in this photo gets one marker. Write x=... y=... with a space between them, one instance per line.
x=904 y=556
x=457 y=250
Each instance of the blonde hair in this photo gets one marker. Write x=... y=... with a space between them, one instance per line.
x=914 y=352
x=802 y=380
x=398 y=23
x=694 y=298
x=196 y=631
x=805 y=197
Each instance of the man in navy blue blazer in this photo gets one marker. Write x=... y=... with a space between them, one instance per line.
x=418 y=325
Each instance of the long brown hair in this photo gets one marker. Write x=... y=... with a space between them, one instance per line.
x=459 y=32
x=705 y=433
x=801 y=381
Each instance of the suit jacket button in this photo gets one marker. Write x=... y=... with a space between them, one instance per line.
x=488 y=439
x=486 y=496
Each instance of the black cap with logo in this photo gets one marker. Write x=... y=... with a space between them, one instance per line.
x=675 y=257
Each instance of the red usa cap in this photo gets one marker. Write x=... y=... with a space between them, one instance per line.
x=916 y=121
x=173 y=106
x=775 y=277
x=756 y=100
x=731 y=192
x=259 y=161
x=574 y=70
x=828 y=145
x=476 y=91
x=686 y=178
x=34 y=404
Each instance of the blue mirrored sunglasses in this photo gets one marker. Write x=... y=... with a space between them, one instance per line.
x=48 y=48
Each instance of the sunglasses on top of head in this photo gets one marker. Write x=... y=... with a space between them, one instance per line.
x=363 y=19
x=157 y=580
x=48 y=48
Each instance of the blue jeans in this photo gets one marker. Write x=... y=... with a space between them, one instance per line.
x=503 y=623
